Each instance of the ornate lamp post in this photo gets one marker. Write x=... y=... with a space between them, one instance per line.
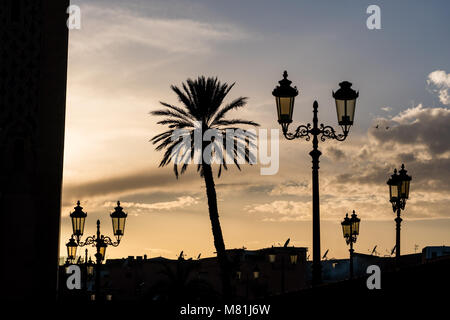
x=345 y=108
x=99 y=241
x=350 y=230
x=398 y=194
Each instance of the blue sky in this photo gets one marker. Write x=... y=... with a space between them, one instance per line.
x=126 y=55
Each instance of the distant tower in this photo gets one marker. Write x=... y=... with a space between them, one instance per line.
x=33 y=75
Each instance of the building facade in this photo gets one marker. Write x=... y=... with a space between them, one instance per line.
x=33 y=73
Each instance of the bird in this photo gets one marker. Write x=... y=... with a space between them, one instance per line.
x=377 y=126
x=387 y=128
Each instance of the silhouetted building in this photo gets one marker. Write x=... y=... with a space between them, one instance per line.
x=33 y=72
x=255 y=274
x=338 y=269
x=431 y=253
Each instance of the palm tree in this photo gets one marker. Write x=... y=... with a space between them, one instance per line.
x=201 y=108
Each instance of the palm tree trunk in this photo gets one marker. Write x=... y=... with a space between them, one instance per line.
x=217 y=230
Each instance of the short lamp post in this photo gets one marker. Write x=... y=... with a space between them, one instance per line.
x=99 y=241
x=398 y=194
x=345 y=99
x=350 y=230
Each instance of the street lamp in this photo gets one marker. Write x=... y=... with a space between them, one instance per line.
x=350 y=230
x=398 y=194
x=78 y=218
x=71 y=249
x=345 y=108
x=99 y=241
x=118 y=221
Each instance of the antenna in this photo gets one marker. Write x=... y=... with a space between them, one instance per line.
x=287 y=242
x=198 y=258
x=415 y=248
x=374 y=251
x=181 y=256
x=393 y=250
x=325 y=255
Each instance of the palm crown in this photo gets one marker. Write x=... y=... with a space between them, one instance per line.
x=201 y=101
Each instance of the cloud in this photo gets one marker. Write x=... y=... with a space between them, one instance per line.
x=290 y=188
x=418 y=137
x=115 y=28
x=282 y=210
x=128 y=183
x=139 y=207
x=439 y=82
x=419 y=126
x=336 y=154
x=386 y=109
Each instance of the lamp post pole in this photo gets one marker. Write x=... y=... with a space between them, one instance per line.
x=98 y=257
x=351 y=254
x=345 y=106
x=100 y=242
x=315 y=155
x=398 y=221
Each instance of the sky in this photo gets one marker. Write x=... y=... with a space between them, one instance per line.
x=126 y=56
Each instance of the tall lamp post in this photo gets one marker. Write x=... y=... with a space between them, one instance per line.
x=99 y=241
x=345 y=107
x=398 y=194
x=350 y=229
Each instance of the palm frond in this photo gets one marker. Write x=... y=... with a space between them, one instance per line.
x=235 y=104
x=201 y=100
